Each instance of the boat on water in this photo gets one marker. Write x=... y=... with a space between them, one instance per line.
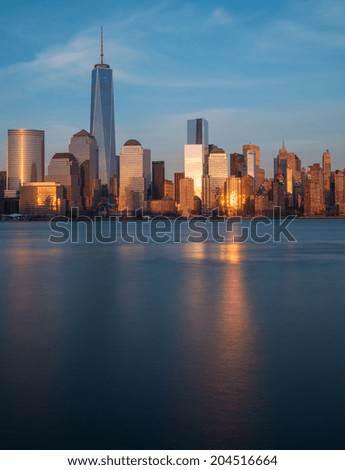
x=12 y=217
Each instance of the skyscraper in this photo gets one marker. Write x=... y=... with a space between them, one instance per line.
x=84 y=147
x=186 y=196
x=237 y=164
x=327 y=171
x=25 y=157
x=194 y=157
x=158 y=176
x=339 y=191
x=177 y=177
x=214 y=182
x=64 y=169
x=197 y=131
x=196 y=153
x=102 y=124
x=135 y=170
x=251 y=153
x=169 y=189
x=252 y=148
x=314 y=194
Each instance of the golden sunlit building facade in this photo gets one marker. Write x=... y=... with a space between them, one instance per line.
x=135 y=176
x=194 y=160
x=45 y=199
x=24 y=157
x=214 y=182
x=186 y=196
x=64 y=169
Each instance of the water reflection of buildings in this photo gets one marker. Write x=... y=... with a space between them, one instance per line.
x=31 y=371
x=220 y=372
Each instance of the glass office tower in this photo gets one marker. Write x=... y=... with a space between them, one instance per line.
x=25 y=157
x=102 y=124
x=197 y=131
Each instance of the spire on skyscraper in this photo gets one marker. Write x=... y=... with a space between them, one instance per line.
x=102 y=54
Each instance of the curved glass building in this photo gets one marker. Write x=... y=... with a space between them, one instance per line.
x=102 y=124
x=24 y=157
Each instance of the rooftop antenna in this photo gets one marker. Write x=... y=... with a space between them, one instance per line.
x=102 y=55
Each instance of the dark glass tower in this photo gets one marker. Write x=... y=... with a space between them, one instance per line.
x=197 y=131
x=102 y=125
x=158 y=176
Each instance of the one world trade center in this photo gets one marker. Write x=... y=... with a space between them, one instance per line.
x=102 y=125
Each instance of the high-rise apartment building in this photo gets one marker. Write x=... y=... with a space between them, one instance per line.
x=314 y=195
x=2 y=182
x=135 y=171
x=25 y=157
x=158 y=176
x=339 y=191
x=327 y=172
x=102 y=124
x=2 y=190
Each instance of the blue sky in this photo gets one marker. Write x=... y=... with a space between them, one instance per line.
x=258 y=71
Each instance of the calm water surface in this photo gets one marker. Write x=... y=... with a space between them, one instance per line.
x=172 y=346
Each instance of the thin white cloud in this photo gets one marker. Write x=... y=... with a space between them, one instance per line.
x=61 y=65
x=221 y=17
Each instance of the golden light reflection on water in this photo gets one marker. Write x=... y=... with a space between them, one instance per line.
x=27 y=290
x=231 y=252
x=220 y=315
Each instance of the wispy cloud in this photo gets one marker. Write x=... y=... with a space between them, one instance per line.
x=61 y=65
x=221 y=17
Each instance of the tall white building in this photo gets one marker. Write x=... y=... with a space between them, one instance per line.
x=196 y=153
x=135 y=176
x=251 y=163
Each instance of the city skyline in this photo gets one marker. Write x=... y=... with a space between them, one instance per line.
x=261 y=74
